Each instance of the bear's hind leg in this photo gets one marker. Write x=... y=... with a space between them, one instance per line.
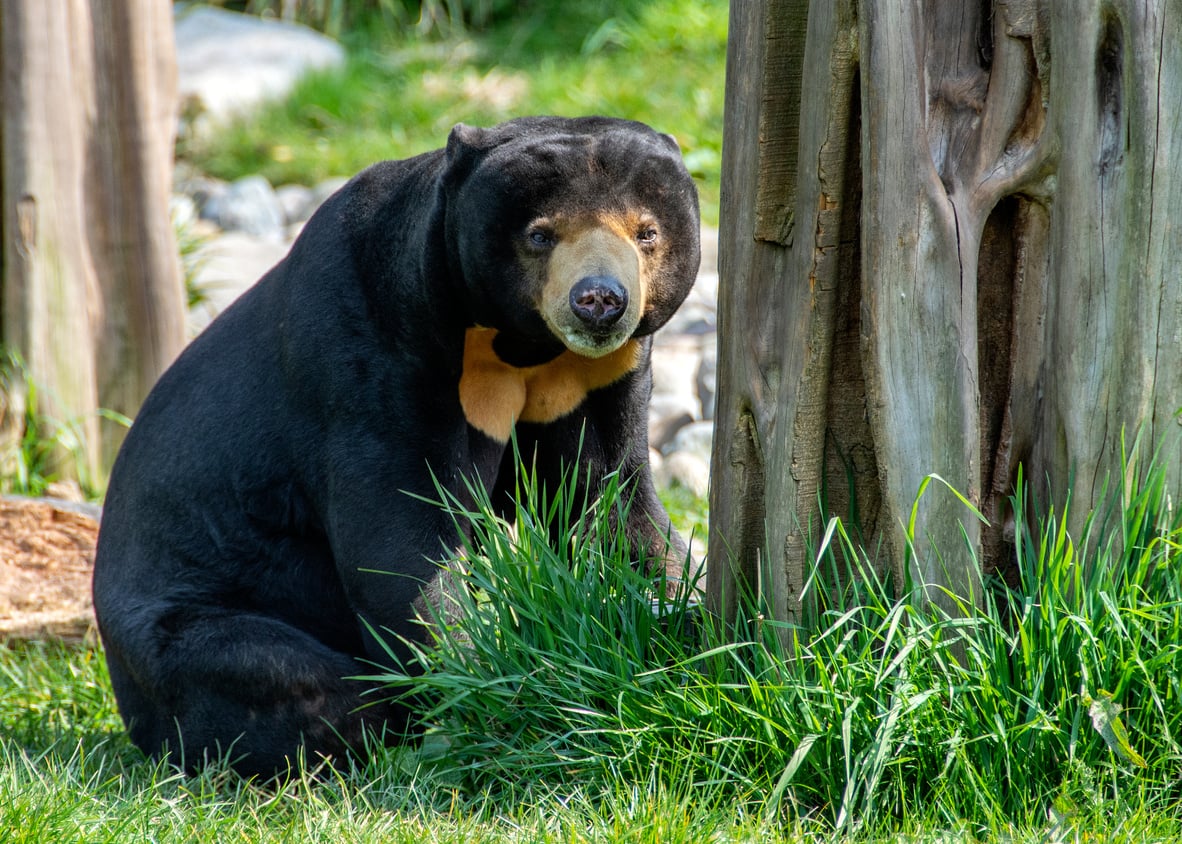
x=255 y=689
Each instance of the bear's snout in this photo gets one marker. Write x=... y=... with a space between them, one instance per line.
x=594 y=295
x=599 y=301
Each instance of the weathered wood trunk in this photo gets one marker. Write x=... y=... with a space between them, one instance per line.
x=92 y=295
x=946 y=247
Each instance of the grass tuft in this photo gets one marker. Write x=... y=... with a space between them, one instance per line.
x=549 y=619
x=1057 y=698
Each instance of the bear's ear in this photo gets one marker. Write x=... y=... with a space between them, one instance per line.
x=665 y=136
x=465 y=140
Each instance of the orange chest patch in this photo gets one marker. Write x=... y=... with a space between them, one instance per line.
x=495 y=396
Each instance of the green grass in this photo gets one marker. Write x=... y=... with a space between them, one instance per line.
x=689 y=513
x=661 y=62
x=68 y=774
x=562 y=708
x=1062 y=695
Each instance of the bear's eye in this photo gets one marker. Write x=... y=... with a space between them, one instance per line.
x=541 y=237
x=647 y=235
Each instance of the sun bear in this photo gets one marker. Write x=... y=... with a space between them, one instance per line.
x=271 y=503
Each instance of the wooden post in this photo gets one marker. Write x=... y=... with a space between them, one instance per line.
x=93 y=300
x=946 y=248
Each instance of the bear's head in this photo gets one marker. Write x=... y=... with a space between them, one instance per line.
x=575 y=233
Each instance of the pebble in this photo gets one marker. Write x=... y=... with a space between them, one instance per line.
x=297 y=202
x=248 y=205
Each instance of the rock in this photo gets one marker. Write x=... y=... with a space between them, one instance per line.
x=706 y=379
x=706 y=288
x=228 y=62
x=681 y=468
x=666 y=416
x=674 y=365
x=709 y=240
x=693 y=319
x=698 y=315
x=695 y=438
x=685 y=364
x=230 y=263
x=249 y=205
x=203 y=191
x=297 y=202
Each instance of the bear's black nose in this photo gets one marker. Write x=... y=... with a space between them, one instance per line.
x=599 y=301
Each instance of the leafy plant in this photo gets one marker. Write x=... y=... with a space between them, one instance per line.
x=191 y=247
x=862 y=716
x=40 y=445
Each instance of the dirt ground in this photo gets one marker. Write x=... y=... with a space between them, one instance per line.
x=46 y=560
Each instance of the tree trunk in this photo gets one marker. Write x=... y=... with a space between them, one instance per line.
x=92 y=295
x=945 y=248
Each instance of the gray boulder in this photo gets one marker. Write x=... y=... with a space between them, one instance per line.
x=228 y=62
x=707 y=379
x=682 y=469
x=248 y=205
x=694 y=438
x=297 y=202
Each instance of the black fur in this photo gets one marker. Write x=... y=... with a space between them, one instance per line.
x=259 y=509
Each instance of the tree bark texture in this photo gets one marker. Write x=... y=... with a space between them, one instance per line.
x=93 y=300
x=947 y=246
